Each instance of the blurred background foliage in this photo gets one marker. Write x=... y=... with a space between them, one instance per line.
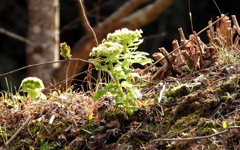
x=159 y=33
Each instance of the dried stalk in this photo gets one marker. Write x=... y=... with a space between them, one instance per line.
x=236 y=24
x=18 y=131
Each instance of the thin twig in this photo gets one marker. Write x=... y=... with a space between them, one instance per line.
x=86 y=23
x=20 y=38
x=18 y=131
x=224 y=15
x=199 y=137
x=45 y=63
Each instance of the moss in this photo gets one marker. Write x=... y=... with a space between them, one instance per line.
x=179 y=145
x=185 y=122
x=200 y=102
x=177 y=92
x=235 y=79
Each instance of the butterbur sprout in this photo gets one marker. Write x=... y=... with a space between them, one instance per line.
x=33 y=86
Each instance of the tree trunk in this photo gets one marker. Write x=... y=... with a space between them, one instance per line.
x=43 y=30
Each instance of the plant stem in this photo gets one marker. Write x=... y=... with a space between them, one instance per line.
x=115 y=79
x=124 y=48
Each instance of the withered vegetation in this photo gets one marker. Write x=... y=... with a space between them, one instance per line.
x=191 y=102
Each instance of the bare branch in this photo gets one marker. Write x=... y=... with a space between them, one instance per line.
x=145 y=15
x=20 y=38
x=122 y=12
x=86 y=24
x=45 y=63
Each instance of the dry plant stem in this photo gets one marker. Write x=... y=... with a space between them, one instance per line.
x=158 y=56
x=99 y=80
x=161 y=94
x=199 y=137
x=18 y=131
x=67 y=75
x=20 y=38
x=47 y=130
x=159 y=72
x=182 y=36
x=187 y=41
x=236 y=24
x=216 y=21
x=170 y=65
x=46 y=63
x=86 y=23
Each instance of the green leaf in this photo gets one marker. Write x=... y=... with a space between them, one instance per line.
x=99 y=94
x=120 y=98
x=110 y=86
x=90 y=118
x=113 y=91
x=126 y=84
x=134 y=108
x=225 y=125
x=98 y=65
x=145 y=61
x=65 y=50
x=127 y=70
x=102 y=92
x=134 y=75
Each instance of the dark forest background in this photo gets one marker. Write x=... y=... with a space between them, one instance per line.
x=159 y=33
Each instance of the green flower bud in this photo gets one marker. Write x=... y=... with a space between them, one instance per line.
x=125 y=36
x=106 y=49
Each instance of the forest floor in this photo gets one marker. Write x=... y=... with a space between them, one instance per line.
x=196 y=106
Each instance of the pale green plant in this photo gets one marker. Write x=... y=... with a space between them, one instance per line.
x=44 y=146
x=115 y=56
x=9 y=96
x=33 y=86
x=227 y=56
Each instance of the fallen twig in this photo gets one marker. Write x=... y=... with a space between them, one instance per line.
x=199 y=137
x=18 y=131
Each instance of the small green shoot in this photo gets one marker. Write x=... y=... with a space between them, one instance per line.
x=225 y=125
x=90 y=119
x=33 y=86
x=65 y=50
x=44 y=146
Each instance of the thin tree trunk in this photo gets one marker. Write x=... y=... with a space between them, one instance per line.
x=44 y=31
